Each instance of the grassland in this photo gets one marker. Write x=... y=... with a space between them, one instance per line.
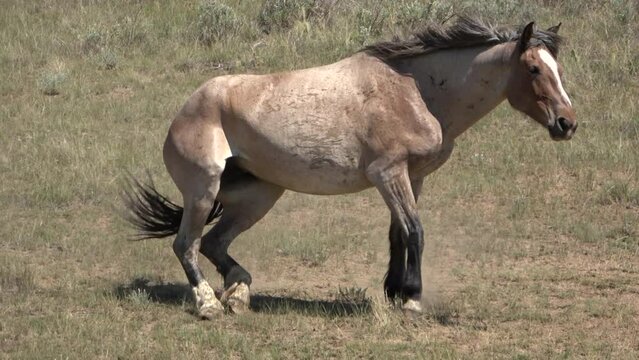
x=532 y=246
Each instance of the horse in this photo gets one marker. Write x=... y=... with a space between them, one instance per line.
x=385 y=117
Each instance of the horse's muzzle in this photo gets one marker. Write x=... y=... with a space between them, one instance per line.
x=562 y=129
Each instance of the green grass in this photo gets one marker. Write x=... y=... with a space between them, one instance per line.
x=531 y=247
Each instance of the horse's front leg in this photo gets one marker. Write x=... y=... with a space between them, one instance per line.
x=392 y=181
x=394 y=281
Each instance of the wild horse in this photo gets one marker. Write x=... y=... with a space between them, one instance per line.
x=386 y=117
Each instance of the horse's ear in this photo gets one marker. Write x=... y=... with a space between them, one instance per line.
x=526 y=34
x=554 y=29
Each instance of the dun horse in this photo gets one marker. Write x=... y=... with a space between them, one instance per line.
x=384 y=117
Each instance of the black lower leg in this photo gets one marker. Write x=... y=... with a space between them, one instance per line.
x=393 y=283
x=412 y=288
x=231 y=271
x=215 y=248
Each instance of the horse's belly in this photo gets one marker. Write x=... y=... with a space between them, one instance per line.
x=321 y=182
x=314 y=173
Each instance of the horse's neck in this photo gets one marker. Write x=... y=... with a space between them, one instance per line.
x=460 y=86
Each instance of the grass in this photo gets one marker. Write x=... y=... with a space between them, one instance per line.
x=531 y=248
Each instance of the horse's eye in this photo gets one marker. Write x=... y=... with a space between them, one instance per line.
x=534 y=70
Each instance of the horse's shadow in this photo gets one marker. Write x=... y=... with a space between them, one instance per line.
x=274 y=304
x=179 y=294
x=154 y=291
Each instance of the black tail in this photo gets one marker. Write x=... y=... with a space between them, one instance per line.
x=153 y=214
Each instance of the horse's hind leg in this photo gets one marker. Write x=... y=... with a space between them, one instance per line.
x=197 y=206
x=246 y=200
x=194 y=155
x=186 y=246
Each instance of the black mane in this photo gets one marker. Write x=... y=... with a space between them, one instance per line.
x=465 y=32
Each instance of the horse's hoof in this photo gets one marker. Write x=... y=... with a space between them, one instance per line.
x=208 y=306
x=211 y=312
x=412 y=307
x=237 y=297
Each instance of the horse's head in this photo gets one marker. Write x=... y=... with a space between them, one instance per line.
x=535 y=87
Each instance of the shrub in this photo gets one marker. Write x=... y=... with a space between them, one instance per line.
x=619 y=192
x=215 y=21
x=282 y=14
x=51 y=81
x=107 y=59
x=92 y=41
x=504 y=11
x=370 y=23
x=415 y=13
x=16 y=278
x=131 y=30
x=323 y=9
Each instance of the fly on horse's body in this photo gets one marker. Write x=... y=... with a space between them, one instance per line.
x=385 y=117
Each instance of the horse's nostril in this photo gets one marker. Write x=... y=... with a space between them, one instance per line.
x=564 y=124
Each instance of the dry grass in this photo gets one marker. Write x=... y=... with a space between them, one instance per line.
x=532 y=245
